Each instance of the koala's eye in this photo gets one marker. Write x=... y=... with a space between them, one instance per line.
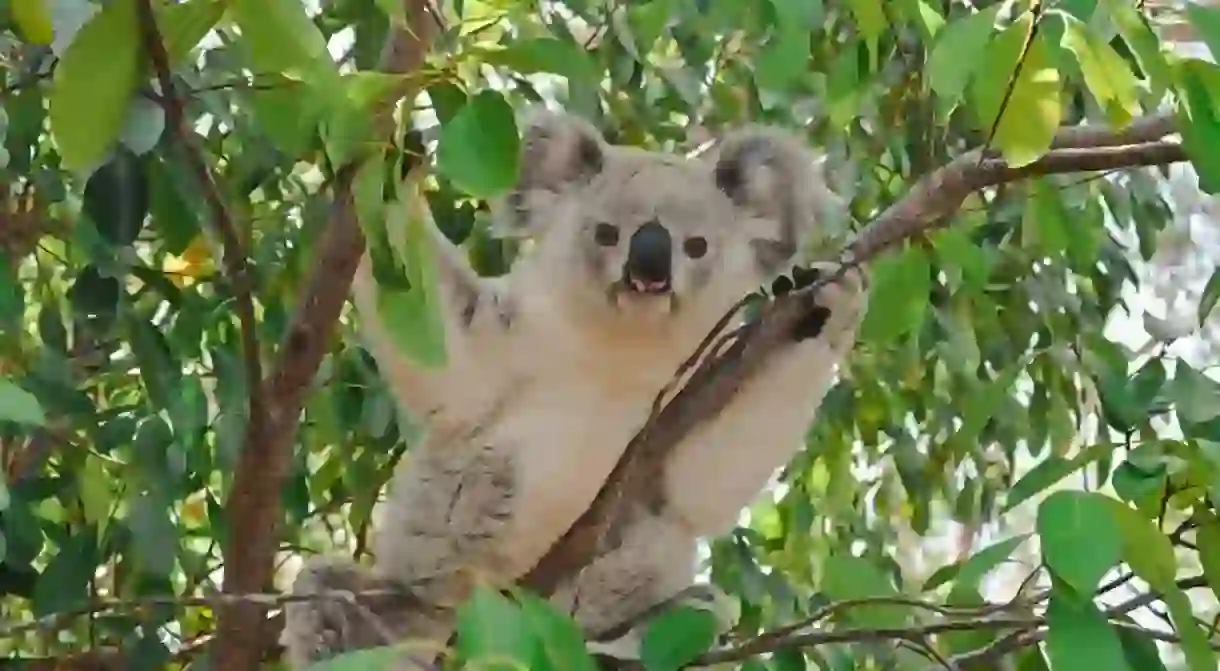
x=695 y=247
x=605 y=234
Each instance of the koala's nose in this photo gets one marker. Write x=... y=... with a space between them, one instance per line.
x=650 y=256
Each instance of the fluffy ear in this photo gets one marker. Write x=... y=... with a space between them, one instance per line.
x=558 y=150
x=771 y=175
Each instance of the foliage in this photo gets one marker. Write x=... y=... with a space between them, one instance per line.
x=983 y=377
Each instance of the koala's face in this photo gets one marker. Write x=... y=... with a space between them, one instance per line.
x=637 y=232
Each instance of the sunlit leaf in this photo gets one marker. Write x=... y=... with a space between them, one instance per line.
x=19 y=405
x=1078 y=636
x=1106 y=74
x=953 y=59
x=479 y=147
x=93 y=85
x=898 y=298
x=1025 y=120
x=1080 y=537
x=675 y=637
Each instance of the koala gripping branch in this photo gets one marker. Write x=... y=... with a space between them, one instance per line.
x=715 y=380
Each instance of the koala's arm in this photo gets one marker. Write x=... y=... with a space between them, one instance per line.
x=726 y=462
x=474 y=312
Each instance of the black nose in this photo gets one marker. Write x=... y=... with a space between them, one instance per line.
x=650 y=254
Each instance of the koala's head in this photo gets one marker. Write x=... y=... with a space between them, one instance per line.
x=636 y=233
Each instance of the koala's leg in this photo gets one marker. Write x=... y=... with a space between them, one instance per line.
x=444 y=518
x=323 y=628
x=723 y=464
x=655 y=562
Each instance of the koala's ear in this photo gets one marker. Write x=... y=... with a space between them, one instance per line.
x=771 y=175
x=557 y=151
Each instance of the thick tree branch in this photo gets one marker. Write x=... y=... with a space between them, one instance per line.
x=637 y=476
x=253 y=507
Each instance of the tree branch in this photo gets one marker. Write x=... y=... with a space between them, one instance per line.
x=235 y=256
x=638 y=474
x=253 y=507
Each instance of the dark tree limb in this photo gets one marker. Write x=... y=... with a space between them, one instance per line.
x=930 y=202
x=253 y=507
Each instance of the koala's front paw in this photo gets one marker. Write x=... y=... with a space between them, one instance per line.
x=490 y=303
x=835 y=309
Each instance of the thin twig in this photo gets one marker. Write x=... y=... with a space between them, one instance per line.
x=235 y=257
x=60 y=620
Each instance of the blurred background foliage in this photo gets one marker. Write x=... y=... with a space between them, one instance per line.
x=1053 y=336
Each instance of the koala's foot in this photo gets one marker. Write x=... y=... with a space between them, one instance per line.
x=835 y=309
x=623 y=643
x=323 y=628
x=445 y=518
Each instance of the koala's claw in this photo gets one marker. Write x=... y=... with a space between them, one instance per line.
x=842 y=299
x=490 y=300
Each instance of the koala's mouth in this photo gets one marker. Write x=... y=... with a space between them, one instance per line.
x=647 y=287
x=641 y=292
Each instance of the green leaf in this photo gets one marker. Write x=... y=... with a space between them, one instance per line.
x=953 y=60
x=381 y=658
x=93 y=85
x=184 y=24
x=1206 y=21
x=562 y=639
x=847 y=577
x=491 y=628
x=1025 y=124
x=281 y=38
x=157 y=366
x=1198 y=84
x=898 y=300
x=409 y=307
x=154 y=535
x=971 y=571
x=95 y=496
x=675 y=637
x=1080 y=537
x=1145 y=549
x=1106 y=74
x=542 y=54
x=1079 y=637
x=1140 y=650
x=64 y=584
x=1144 y=45
x=288 y=111
x=347 y=126
x=1207 y=538
x=19 y=405
x=870 y=20
x=1051 y=470
x=1199 y=655
x=784 y=59
x=1211 y=294
x=33 y=20
x=987 y=399
x=116 y=198
x=1196 y=397
x=478 y=149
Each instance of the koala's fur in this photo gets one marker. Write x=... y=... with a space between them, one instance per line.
x=553 y=369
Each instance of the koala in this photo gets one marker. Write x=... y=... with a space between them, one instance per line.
x=554 y=366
